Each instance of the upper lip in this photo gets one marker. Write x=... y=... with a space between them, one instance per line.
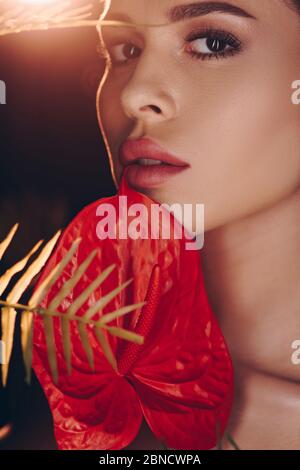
x=132 y=150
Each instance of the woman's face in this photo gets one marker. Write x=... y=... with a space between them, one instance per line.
x=213 y=89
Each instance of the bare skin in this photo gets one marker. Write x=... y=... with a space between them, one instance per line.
x=231 y=118
x=252 y=271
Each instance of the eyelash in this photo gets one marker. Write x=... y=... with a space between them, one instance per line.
x=207 y=33
x=215 y=34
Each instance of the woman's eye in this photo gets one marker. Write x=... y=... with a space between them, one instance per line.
x=205 y=44
x=213 y=44
x=121 y=53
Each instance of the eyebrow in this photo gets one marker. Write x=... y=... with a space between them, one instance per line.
x=192 y=10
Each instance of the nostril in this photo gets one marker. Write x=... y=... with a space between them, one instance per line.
x=155 y=108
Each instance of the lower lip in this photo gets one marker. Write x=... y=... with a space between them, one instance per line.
x=152 y=175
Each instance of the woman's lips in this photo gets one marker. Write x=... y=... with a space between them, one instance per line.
x=148 y=176
x=151 y=176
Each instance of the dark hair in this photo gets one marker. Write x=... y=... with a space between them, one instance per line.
x=294 y=4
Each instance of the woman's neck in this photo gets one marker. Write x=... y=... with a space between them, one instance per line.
x=252 y=275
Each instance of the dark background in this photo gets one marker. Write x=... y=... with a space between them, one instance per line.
x=52 y=163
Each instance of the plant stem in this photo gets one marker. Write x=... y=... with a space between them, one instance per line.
x=53 y=313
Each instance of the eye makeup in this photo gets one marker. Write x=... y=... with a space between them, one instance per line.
x=203 y=43
x=215 y=43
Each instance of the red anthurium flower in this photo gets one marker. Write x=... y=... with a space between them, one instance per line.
x=180 y=379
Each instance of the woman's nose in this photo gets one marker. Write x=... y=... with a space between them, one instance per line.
x=148 y=95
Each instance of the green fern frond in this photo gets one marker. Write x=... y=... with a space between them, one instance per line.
x=11 y=306
x=8 y=315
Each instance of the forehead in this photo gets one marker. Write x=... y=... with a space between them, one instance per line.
x=136 y=9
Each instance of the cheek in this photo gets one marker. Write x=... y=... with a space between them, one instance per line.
x=248 y=144
x=264 y=153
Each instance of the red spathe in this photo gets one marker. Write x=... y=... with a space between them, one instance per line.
x=180 y=379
